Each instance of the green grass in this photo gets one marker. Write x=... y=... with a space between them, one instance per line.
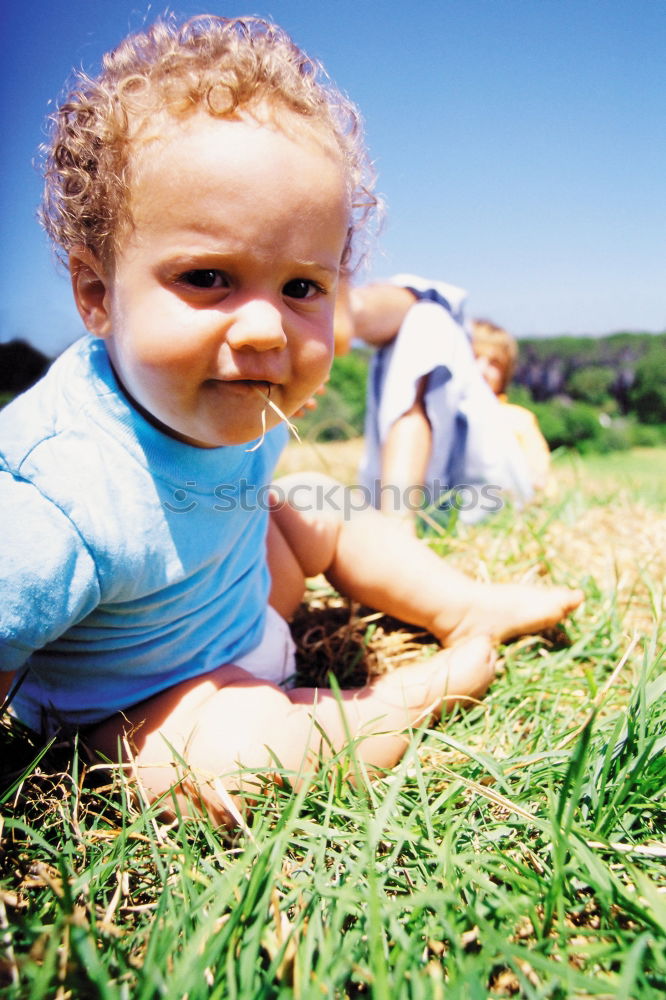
x=642 y=470
x=517 y=850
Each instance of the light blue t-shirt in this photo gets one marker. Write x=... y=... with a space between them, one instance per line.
x=129 y=561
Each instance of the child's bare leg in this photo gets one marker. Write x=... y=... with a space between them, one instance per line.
x=405 y=457
x=378 y=714
x=229 y=728
x=368 y=559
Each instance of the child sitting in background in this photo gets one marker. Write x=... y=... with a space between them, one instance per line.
x=496 y=353
x=433 y=427
x=205 y=190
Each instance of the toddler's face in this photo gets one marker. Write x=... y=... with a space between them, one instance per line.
x=227 y=282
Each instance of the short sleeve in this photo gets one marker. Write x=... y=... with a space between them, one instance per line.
x=48 y=579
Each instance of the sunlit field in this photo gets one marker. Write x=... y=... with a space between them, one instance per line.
x=519 y=849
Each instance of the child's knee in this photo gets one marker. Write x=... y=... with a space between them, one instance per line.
x=310 y=494
x=309 y=513
x=219 y=761
x=287 y=574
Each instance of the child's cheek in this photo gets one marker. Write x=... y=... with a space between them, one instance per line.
x=324 y=359
x=164 y=344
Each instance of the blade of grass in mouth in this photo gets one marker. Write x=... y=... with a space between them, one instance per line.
x=266 y=396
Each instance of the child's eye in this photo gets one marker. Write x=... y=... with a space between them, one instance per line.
x=204 y=278
x=301 y=288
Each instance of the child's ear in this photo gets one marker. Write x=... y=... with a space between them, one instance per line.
x=91 y=287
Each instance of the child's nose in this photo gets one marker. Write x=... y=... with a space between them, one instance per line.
x=257 y=326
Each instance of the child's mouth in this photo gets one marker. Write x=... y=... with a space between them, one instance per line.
x=246 y=384
x=261 y=384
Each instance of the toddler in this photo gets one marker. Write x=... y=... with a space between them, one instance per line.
x=496 y=353
x=206 y=190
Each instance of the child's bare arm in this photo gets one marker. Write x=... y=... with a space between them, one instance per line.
x=377 y=312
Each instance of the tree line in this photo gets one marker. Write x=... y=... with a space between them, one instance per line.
x=627 y=368
x=590 y=393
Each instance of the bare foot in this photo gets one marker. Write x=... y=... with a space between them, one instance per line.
x=448 y=678
x=506 y=610
x=377 y=715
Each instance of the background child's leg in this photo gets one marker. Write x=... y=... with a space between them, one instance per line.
x=404 y=460
x=230 y=722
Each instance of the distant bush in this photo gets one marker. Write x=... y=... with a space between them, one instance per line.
x=647 y=395
x=592 y=385
x=645 y=436
x=575 y=352
x=579 y=426
x=520 y=395
x=340 y=411
x=349 y=377
x=567 y=425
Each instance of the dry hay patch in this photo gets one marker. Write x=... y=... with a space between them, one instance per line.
x=339 y=459
x=623 y=549
x=340 y=637
x=616 y=552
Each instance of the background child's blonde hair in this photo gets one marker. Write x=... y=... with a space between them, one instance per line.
x=490 y=340
x=212 y=63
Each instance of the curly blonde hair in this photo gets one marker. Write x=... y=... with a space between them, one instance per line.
x=220 y=65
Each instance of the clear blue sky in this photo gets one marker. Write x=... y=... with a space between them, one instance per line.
x=520 y=145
